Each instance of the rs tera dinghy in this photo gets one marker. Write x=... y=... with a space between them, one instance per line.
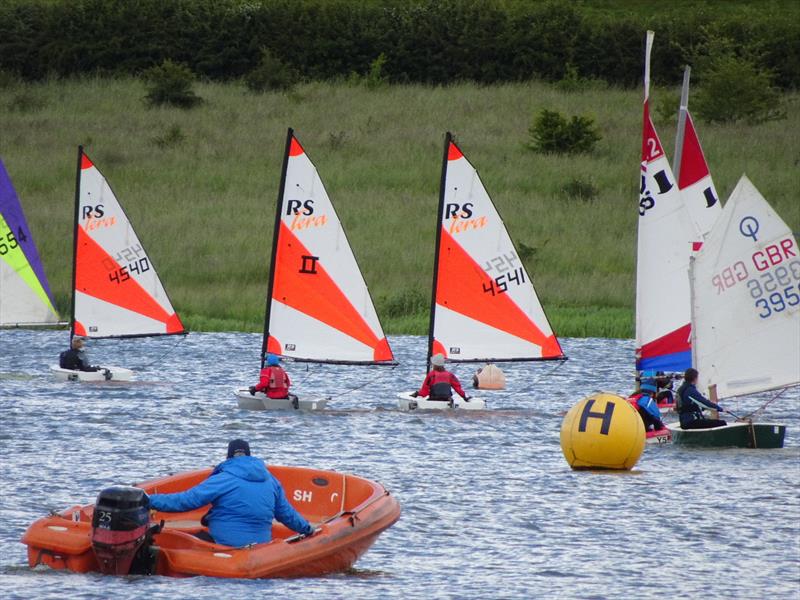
x=116 y=292
x=116 y=535
x=484 y=307
x=318 y=306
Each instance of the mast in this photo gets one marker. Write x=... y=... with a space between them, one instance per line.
x=275 y=233
x=75 y=241
x=447 y=139
x=682 y=113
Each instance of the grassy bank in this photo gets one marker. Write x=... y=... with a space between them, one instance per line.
x=200 y=185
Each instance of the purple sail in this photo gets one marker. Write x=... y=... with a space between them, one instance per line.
x=11 y=210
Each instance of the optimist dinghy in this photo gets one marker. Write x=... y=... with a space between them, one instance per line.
x=25 y=298
x=745 y=284
x=116 y=535
x=483 y=304
x=116 y=292
x=318 y=306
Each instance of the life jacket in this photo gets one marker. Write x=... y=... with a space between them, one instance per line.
x=680 y=403
x=439 y=385
x=275 y=382
x=69 y=359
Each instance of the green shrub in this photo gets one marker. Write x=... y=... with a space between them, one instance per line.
x=551 y=133
x=578 y=188
x=404 y=303
x=734 y=87
x=170 y=84
x=271 y=74
x=172 y=137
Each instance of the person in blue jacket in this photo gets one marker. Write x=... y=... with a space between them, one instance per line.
x=647 y=404
x=244 y=498
x=690 y=404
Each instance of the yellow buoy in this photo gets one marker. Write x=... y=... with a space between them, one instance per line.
x=489 y=377
x=602 y=431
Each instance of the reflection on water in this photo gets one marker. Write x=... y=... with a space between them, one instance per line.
x=490 y=507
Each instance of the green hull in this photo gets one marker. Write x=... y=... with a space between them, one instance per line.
x=735 y=435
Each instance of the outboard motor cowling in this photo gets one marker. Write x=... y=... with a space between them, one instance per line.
x=121 y=530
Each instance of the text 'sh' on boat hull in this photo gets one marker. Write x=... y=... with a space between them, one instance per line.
x=350 y=511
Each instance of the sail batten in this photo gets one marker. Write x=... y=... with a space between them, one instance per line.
x=484 y=306
x=318 y=304
x=116 y=290
x=25 y=297
x=746 y=299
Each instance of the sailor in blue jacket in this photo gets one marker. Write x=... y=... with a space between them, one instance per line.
x=244 y=498
x=690 y=404
x=647 y=405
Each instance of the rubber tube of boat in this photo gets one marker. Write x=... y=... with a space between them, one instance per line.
x=120 y=529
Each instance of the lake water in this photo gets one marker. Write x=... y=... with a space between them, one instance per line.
x=490 y=507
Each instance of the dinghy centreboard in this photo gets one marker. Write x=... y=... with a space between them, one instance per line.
x=25 y=297
x=116 y=292
x=666 y=238
x=318 y=305
x=745 y=284
x=484 y=307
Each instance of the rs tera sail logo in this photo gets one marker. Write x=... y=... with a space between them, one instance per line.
x=462 y=217
x=95 y=217
x=303 y=217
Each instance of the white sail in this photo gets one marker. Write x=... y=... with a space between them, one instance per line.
x=319 y=308
x=666 y=239
x=117 y=291
x=746 y=299
x=24 y=292
x=485 y=306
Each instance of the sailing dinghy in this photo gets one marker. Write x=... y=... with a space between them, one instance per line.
x=116 y=292
x=745 y=284
x=483 y=307
x=25 y=297
x=318 y=306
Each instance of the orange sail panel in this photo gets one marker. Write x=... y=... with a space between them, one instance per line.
x=117 y=291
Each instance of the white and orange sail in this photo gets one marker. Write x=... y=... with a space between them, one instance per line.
x=484 y=306
x=25 y=297
x=116 y=290
x=318 y=306
x=691 y=169
x=666 y=238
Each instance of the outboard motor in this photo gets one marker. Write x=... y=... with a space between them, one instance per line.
x=121 y=531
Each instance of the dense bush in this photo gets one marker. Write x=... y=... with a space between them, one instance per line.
x=734 y=88
x=552 y=133
x=170 y=84
x=271 y=74
x=431 y=41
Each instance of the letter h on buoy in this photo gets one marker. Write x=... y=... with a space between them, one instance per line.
x=587 y=414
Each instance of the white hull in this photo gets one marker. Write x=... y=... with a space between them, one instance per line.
x=405 y=401
x=116 y=374
x=260 y=401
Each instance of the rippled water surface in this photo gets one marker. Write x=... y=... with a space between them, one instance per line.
x=490 y=507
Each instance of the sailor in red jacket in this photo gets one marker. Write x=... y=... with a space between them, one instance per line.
x=273 y=380
x=439 y=384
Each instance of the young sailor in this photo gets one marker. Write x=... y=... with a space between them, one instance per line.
x=76 y=358
x=690 y=404
x=273 y=380
x=647 y=405
x=439 y=384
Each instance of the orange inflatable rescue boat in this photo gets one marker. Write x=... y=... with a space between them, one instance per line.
x=118 y=536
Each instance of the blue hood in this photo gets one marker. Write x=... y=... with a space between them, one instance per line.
x=249 y=468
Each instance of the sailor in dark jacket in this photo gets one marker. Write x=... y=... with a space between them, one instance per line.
x=244 y=498
x=690 y=404
x=75 y=358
